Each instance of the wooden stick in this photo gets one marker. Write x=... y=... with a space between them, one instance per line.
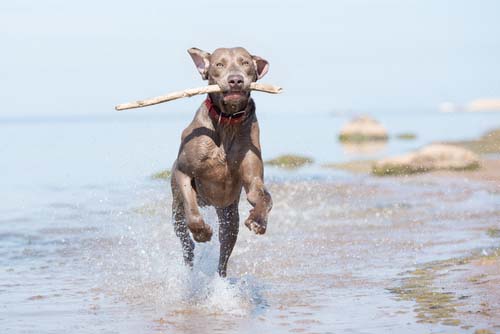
x=191 y=92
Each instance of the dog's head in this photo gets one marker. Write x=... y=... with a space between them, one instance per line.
x=233 y=69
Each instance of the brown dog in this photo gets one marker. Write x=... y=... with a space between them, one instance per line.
x=220 y=154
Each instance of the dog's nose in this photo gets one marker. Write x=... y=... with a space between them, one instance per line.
x=235 y=82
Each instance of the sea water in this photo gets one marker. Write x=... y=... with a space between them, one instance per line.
x=86 y=242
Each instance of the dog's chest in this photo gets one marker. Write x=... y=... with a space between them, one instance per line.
x=220 y=160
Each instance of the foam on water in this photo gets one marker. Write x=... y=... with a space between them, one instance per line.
x=143 y=265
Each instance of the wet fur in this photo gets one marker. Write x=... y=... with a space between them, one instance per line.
x=215 y=161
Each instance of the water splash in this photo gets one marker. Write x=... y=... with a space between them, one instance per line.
x=143 y=266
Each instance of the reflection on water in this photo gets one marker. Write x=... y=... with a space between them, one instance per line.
x=364 y=148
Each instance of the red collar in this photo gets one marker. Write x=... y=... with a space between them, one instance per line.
x=222 y=118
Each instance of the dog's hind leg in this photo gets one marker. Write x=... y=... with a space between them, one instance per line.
x=229 y=220
x=180 y=227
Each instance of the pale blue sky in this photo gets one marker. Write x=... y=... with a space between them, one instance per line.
x=78 y=57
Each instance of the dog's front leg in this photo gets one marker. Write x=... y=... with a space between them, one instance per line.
x=260 y=199
x=252 y=171
x=201 y=231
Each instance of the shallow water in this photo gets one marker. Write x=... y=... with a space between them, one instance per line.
x=86 y=243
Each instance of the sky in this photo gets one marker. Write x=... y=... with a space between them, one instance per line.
x=83 y=57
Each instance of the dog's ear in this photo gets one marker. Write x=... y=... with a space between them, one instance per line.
x=201 y=60
x=261 y=66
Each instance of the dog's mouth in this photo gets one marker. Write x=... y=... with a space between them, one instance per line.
x=235 y=101
x=235 y=96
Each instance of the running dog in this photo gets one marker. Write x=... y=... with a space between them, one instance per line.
x=220 y=155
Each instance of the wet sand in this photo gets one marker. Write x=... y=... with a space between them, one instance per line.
x=489 y=172
x=459 y=291
x=471 y=282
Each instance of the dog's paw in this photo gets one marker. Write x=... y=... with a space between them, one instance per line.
x=201 y=231
x=204 y=235
x=256 y=224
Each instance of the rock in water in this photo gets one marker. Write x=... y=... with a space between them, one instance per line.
x=289 y=161
x=363 y=128
x=432 y=157
x=162 y=175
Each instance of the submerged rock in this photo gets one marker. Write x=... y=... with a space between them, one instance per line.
x=429 y=158
x=289 y=161
x=162 y=175
x=406 y=136
x=356 y=166
x=363 y=128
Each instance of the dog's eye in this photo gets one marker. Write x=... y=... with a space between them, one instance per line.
x=219 y=65
x=246 y=62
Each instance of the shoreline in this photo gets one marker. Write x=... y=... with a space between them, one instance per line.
x=489 y=173
x=487 y=147
x=460 y=291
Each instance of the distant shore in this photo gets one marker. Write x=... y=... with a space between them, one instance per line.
x=487 y=147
